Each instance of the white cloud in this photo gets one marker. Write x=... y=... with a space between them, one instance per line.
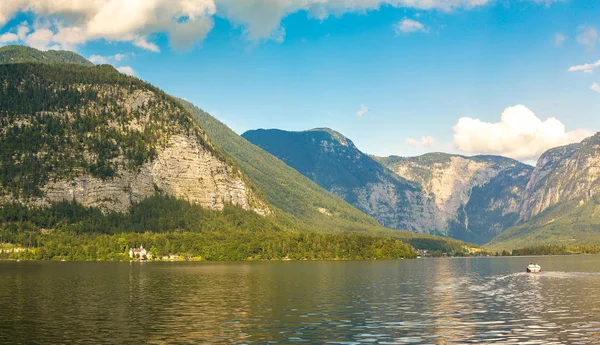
x=189 y=21
x=412 y=142
x=520 y=134
x=8 y=37
x=588 y=36
x=425 y=141
x=408 y=26
x=362 y=111
x=185 y=22
x=586 y=68
x=126 y=70
x=68 y=23
x=559 y=39
x=111 y=59
x=547 y=2
x=142 y=42
x=595 y=87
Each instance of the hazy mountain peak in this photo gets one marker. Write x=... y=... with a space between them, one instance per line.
x=342 y=139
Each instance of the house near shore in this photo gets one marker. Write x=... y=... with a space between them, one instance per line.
x=172 y=257
x=139 y=253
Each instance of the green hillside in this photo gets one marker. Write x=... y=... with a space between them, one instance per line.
x=303 y=204
x=21 y=54
x=570 y=223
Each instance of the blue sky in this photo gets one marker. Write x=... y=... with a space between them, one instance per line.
x=410 y=72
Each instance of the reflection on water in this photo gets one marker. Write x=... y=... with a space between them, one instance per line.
x=430 y=301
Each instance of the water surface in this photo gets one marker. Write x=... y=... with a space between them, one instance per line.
x=427 y=301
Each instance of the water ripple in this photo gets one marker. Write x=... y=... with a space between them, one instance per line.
x=449 y=301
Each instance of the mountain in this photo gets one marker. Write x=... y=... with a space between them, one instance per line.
x=103 y=139
x=21 y=54
x=93 y=161
x=561 y=202
x=475 y=198
x=294 y=195
x=468 y=198
x=333 y=162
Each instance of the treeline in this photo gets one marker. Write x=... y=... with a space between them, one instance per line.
x=211 y=245
x=555 y=250
x=159 y=213
x=166 y=225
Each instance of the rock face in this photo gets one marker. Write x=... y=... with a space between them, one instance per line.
x=469 y=198
x=183 y=169
x=92 y=135
x=334 y=162
x=561 y=203
x=562 y=174
x=475 y=198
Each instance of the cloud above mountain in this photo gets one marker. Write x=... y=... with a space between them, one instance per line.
x=425 y=141
x=68 y=24
x=520 y=134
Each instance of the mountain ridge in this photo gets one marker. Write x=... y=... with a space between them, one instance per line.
x=431 y=193
x=12 y=54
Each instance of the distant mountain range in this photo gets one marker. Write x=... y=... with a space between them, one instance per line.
x=73 y=131
x=477 y=199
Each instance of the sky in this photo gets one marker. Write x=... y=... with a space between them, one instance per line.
x=398 y=77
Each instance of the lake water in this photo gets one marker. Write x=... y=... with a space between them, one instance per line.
x=427 y=301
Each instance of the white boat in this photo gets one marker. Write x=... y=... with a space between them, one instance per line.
x=534 y=268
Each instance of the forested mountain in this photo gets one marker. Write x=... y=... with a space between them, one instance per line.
x=93 y=161
x=104 y=139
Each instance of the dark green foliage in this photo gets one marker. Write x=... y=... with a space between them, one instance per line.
x=64 y=120
x=169 y=226
x=21 y=54
x=555 y=250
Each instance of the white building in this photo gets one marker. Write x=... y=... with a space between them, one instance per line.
x=139 y=253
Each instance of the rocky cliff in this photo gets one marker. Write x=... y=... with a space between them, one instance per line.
x=468 y=198
x=562 y=174
x=103 y=139
x=333 y=161
x=475 y=198
x=561 y=203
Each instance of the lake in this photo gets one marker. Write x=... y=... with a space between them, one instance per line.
x=424 y=301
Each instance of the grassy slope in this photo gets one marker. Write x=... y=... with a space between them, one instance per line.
x=21 y=54
x=569 y=223
x=297 y=198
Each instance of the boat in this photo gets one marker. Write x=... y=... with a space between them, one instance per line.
x=534 y=268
